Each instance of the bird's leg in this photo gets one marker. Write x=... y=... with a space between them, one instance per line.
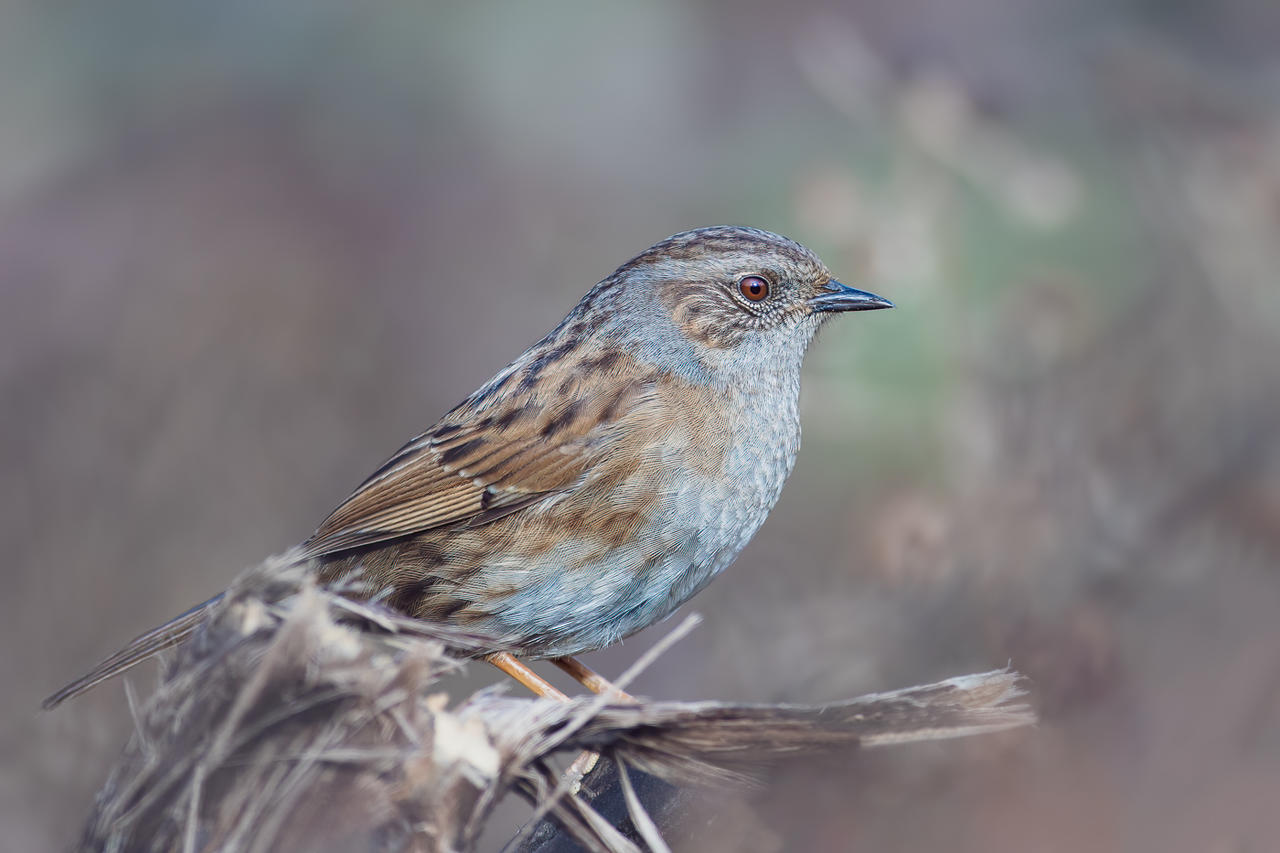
x=596 y=683
x=520 y=671
x=590 y=679
x=508 y=663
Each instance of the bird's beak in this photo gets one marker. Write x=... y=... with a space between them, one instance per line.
x=842 y=297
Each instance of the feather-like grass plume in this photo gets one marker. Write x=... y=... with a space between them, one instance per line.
x=296 y=720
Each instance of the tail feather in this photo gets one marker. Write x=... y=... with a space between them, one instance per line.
x=141 y=648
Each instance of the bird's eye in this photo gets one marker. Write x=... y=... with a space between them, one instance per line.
x=754 y=288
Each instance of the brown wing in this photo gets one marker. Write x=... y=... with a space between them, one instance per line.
x=487 y=458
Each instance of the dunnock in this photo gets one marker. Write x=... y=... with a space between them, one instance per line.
x=604 y=476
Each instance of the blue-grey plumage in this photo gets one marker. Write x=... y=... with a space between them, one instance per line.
x=608 y=473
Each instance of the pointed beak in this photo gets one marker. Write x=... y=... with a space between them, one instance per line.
x=842 y=297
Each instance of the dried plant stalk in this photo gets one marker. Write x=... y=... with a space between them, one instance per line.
x=297 y=721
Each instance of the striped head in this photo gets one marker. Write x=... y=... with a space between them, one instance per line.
x=720 y=303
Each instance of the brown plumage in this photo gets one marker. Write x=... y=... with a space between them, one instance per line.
x=604 y=476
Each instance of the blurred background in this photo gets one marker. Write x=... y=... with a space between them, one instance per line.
x=247 y=249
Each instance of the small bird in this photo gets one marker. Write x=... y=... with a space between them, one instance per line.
x=607 y=474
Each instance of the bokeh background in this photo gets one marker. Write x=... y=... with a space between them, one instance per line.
x=247 y=249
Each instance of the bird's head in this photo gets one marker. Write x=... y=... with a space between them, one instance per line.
x=738 y=299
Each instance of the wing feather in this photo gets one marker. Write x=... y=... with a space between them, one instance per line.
x=477 y=464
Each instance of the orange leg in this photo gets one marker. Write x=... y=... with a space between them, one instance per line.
x=518 y=670
x=589 y=678
x=508 y=663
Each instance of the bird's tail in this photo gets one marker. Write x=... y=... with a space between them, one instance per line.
x=141 y=648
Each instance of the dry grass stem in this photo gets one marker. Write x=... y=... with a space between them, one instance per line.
x=296 y=721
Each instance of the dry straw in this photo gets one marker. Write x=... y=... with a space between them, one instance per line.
x=296 y=720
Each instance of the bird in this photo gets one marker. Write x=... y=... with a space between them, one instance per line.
x=604 y=476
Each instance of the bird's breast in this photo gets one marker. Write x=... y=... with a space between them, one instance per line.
x=709 y=478
x=689 y=478
x=760 y=457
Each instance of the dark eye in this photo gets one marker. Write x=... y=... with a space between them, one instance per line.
x=754 y=288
